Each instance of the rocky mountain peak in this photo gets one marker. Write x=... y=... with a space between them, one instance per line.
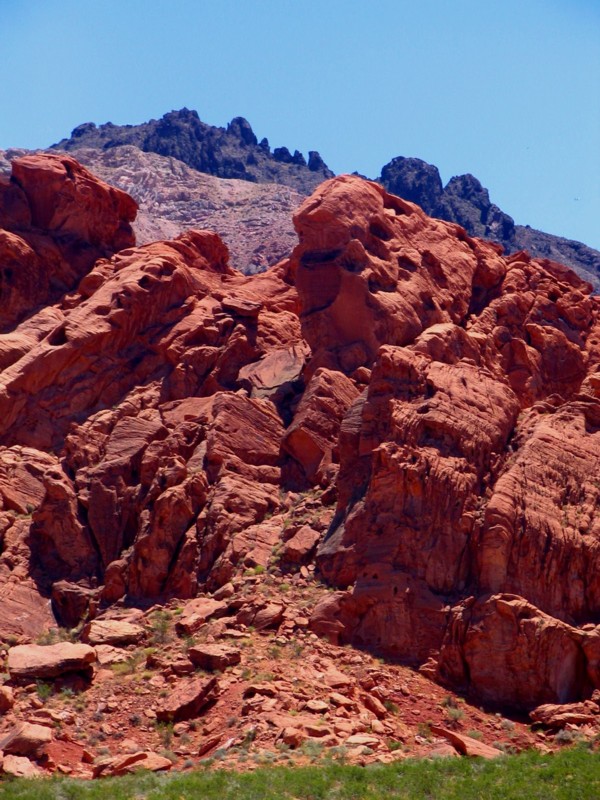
x=231 y=152
x=463 y=199
x=413 y=179
x=234 y=152
x=242 y=129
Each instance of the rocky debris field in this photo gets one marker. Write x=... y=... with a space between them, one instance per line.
x=300 y=512
x=195 y=686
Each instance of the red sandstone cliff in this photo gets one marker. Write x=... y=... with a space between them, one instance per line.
x=155 y=407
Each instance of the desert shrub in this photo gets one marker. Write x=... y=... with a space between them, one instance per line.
x=160 y=624
x=43 y=690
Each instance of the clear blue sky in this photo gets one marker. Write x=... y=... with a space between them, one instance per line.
x=508 y=90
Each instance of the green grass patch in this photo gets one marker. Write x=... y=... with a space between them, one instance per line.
x=572 y=773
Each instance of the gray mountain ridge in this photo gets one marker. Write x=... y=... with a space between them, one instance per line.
x=235 y=152
x=232 y=152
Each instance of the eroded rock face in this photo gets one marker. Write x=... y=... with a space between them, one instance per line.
x=131 y=452
x=153 y=419
x=373 y=269
x=470 y=466
x=57 y=219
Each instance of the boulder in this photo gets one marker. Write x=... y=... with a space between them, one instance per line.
x=375 y=705
x=196 y=612
x=261 y=616
x=117 y=633
x=32 y=661
x=7 y=699
x=341 y=701
x=208 y=744
x=467 y=745
x=214 y=657
x=187 y=699
x=362 y=740
x=274 y=375
x=20 y=767
x=106 y=655
x=268 y=617
x=299 y=548
x=25 y=739
x=317 y=706
x=121 y=765
x=293 y=737
x=337 y=679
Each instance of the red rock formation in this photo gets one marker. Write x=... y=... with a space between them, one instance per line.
x=123 y=425
x=311 y=439
x=447 y=397
x=57 y=220
x=372 y=269
x=471 y=466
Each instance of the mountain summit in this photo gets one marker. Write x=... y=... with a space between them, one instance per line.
x=235 y=152
x=466 y=201
x=232 y=152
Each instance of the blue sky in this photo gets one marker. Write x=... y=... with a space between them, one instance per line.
x=508 y=90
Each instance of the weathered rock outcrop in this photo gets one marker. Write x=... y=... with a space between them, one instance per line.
x=130 y=452
x=466 y=201
x=154 y=418
x=56 y=220
x=463 y=199
x=469 y=467
x=232 y=152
